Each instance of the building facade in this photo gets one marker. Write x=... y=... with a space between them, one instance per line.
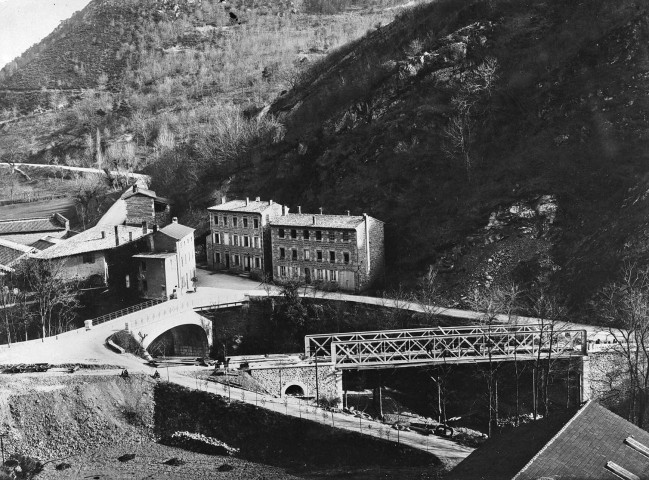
x=345 y=250
x=168 y=269
x=239 y=238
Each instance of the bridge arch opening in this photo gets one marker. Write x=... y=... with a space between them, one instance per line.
x=181 y=341
x=294 y=390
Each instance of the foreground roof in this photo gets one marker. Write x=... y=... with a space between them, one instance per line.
x=91 y=240
x=29 y=225
x=46 y=242
x=243 y=206
x=317 y=220
x=585 y=445
x=176 y=230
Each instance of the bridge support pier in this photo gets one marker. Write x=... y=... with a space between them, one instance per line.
x=584 y=379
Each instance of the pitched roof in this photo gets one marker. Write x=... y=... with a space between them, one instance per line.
x=11 y=252
x=243 y=206
x=176 y=230
x=577 y=446
x=157 y=255
x=91 y=240
x=143 y=191
x=28 y=225
x=317 y=220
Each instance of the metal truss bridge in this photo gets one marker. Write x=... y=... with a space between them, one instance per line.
x=440 y=345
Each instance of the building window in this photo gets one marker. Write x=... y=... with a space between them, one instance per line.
x=235 y=238
x=237 y=260
x=282 y=271
x=319 y=273
x=255 y=223
x=128 y=281
x=307 y=255
x=345 y=236
x=257 y=262
x=346 y=257
x=217 y=257
x=216 y=219
x=246 y=241
x=318 y=235
x=318 y=255
x=293 y=233
x=332 y=257
x=305 y=234
x=235 y=221
x=245 y=222
x=225 y=221
x=333 y=277
x=332 y=236
x=217 y=238
x=281 y=233
x=294 y=254
x=256 y=242
x=89 y=257
x=143 y=265
x=282 y=253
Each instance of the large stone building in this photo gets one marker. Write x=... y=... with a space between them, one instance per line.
x=239 y=237
x=169 y=267
x=346 y=250
x=137 y=205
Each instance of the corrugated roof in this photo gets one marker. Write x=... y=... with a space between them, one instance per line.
x=253 y=206
x=176 y=230
x=91 y=241
x=10 y=252
x=568 y=446
x=29 y=225
x=324 y=221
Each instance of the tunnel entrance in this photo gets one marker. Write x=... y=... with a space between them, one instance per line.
x=181 y=341
x=294 y=391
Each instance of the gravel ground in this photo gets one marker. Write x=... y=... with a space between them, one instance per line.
x=102 y=464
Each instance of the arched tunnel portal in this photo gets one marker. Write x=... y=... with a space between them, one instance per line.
x=182 y=341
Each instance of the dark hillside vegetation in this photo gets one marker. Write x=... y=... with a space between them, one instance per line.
x=546 y=97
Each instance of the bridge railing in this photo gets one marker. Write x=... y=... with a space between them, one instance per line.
x=218 y=306
x=126 y=311
x=458 y=348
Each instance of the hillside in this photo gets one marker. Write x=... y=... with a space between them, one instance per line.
x=498 y=140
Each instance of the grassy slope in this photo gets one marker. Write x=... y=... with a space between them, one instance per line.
x=565 y=69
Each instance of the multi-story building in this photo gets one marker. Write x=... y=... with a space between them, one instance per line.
x=169 y=267
x=344 y=249
x=239 y=236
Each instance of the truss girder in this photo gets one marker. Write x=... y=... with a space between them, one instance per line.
x=448 y=345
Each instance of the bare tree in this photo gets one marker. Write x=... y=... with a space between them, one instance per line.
x=55 y=297
x=624 y=309
x=89 y=193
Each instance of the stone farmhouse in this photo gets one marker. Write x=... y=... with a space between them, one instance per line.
x=345 y=250
x=137 y=205
x=239 y=238
x=264 y=238
x=169 y=268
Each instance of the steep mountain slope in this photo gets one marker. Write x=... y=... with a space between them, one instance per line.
x=498 y=139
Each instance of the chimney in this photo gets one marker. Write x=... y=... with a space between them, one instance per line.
x=348 y=213
x=299 y=209
x=155 y=228
x=222 y=200
x=320 y=210
x=130 y=236
x=284 y=211
x=145 y=229
x=247 y=201
x=103 y=234
x=314 y=219
x=116 y=236
x=257 y=199
x=174 y=220
x=270 y=202
x=134 y=187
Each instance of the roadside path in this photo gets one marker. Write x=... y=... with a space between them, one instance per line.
x=139 y=176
